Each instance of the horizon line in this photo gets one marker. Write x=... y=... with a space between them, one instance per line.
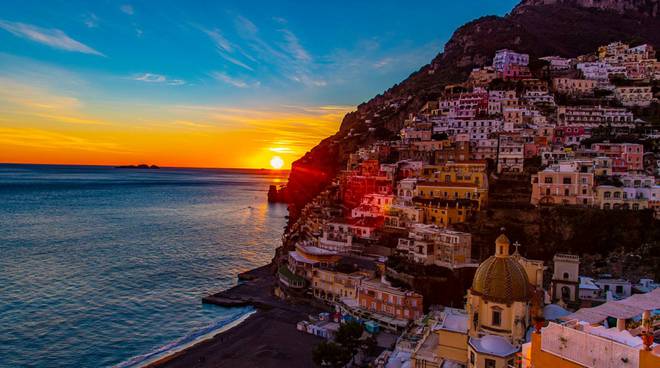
x=162 y=167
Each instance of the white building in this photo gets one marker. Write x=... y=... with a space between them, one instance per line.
x=505 y=58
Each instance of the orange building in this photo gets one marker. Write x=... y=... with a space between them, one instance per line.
x=386 y=300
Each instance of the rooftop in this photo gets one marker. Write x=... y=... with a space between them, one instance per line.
x=492 y=345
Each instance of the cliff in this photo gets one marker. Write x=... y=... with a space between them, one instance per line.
x=539 y=27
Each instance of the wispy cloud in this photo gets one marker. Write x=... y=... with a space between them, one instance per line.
x=287 y=56
x=127 y=9
x=223 y=77
x=294 y=47
x=225 y=48
x=91 y=20
x=157 y=78
x=54 y=38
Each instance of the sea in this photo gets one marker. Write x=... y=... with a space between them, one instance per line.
x=103 y=267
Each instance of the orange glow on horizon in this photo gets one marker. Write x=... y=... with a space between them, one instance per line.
x=40 y=126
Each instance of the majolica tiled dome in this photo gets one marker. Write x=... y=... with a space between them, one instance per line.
x=500 y=278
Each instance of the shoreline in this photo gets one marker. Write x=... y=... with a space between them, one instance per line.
x=171 y=354
x=256 y=340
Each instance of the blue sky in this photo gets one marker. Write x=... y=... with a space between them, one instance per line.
x=120 y=59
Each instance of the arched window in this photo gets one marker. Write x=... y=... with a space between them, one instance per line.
x=565 y=293
x=497 y=317
x=565 y=275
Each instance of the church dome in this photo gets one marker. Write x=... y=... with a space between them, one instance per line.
x=501 y=278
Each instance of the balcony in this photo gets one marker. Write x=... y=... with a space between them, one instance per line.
x=289 y=279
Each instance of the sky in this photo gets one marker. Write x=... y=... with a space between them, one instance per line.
x=203 y=83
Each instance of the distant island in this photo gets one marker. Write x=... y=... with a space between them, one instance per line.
x=141 y=166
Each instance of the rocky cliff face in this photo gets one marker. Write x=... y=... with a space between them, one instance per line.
x=539 y=27
x=643 y=7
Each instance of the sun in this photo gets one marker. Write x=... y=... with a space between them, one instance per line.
x=276 y=162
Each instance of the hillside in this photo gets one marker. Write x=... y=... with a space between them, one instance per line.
x=538 y=27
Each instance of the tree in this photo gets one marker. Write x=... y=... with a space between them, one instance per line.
x=370 y=345
x=349 y=335
x=330 y=354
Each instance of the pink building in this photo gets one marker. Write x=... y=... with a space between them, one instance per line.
x=570 y=135
x=625 y=156
x=514 y=72
x=568 y=183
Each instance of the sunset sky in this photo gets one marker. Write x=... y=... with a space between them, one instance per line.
x=202 y=83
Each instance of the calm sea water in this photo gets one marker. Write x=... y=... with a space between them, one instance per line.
x=99 y=265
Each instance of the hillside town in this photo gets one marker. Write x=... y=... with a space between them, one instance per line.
x=389 y=244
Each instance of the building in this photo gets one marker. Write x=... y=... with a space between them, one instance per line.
x=625 y=156
x=380 y=298
x=331 y=285
x=581 y=345
x=574 y=87
x=594 y=116
x=634 y=95
x=505 y=59
x=445 y=212
x=510 y=154
x=634 y=192
x=617 y=288
x=373 y=205
x=347 y=235
x=584 y=341
x=301 y=262
x=430 y=244
x=565 y=278
x=557 y=63
x=499 y=305
x=568 y=183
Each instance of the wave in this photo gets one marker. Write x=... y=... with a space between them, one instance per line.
x=189 y=340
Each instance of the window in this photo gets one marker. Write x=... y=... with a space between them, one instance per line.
x=497 y=317
x=565 y=275
x=567 y=180
x=619 y=289
x=490 y=363
x=548 y=180
x=472 y=358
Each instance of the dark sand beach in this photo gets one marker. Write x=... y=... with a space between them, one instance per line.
x=268 y=338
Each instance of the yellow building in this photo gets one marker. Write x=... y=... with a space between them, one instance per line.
x=332 y=285
x=499 y=305
x=473 y=172
x=451 y=191
x=490 y=332
x=443 y=212
x=609 y=197
x=456 y=180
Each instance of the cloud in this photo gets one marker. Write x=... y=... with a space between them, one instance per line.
x=223 y=77
x=54 y=38
x=127 y=9
x=294 y=47
x=158 y=78
x=220 y=41
x=225 y=48
x=91 y=20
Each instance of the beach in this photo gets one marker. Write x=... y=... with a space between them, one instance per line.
x=267 y=338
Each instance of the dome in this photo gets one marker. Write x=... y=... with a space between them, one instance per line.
x=501 y=278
